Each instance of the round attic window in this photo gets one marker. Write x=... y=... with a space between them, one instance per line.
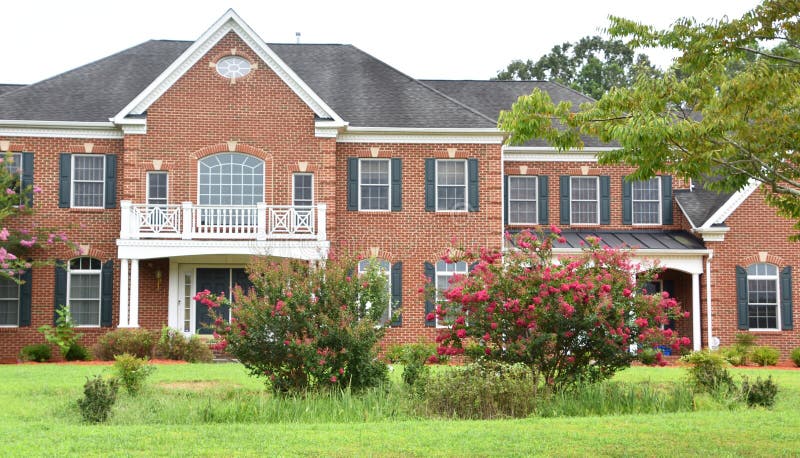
x=233 y=67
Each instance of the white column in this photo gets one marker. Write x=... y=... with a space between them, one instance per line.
x=186 y=232
x=134 y=304
x=322 y=221
x=123 y=293
x=696 y=337
x=125 y=219
x=261 y=221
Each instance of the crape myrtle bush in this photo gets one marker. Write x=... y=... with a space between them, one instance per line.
x=306 y=327
x=568 y=319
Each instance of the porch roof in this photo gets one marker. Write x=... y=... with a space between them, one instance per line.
x=637 y=239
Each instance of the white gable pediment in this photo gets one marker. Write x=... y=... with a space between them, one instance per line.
x=229 y=22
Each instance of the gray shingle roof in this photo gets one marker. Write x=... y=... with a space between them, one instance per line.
x=700 y=204
x=647 y=240
x=96 y=91
x=367 y=92
x=490 y=97
x=9 y=87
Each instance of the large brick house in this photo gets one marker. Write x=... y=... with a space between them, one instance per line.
x=172 y=162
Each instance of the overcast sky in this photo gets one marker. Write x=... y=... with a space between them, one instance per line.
x=425 y=39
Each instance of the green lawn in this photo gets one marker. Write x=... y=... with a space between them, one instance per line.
x=188 y=410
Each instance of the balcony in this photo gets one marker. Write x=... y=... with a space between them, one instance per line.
x=187 y=221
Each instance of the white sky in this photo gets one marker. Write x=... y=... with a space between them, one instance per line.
x=425 y=39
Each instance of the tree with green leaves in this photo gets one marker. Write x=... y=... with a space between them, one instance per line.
x=729 y=107
x=592 y=65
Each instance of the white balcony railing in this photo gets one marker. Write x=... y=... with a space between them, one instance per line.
x=188 y=221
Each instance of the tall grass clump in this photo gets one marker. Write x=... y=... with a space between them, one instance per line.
x=616 y=398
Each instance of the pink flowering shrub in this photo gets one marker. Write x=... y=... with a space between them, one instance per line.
x=304 y=327
x=569 y=320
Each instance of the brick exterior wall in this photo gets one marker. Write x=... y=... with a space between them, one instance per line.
x=203 y=113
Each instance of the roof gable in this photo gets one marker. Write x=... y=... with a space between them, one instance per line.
x=229 y=22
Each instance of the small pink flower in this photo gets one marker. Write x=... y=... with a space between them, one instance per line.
x=430 y=317
x=37 y=189
x=493 y=326
x=461 y=333
x=626 y=292
x=10 y=191
x=333 y=379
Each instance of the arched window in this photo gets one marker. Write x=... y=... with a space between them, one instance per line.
x=231 y=179
x=83 y=291
x=762 y=296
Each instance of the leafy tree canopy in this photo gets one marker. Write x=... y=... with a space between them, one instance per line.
x=593 y=65
x=729 y=107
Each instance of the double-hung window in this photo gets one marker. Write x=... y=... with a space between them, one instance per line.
x=9 y=302
x=646 y=201
x=762 y=296
x=83 y=287
x=374 y=184
x=385 y=268
x=444 y=273
x=88 y=180
x=451 y=185
x=302 y=190
x=522 y=200
x=584 y=200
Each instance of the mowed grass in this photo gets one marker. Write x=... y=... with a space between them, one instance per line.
x=219 y=410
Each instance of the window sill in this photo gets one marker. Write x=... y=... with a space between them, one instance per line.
x=764 y=331
x=88 y=326
x=88 y=209
x=9 y=326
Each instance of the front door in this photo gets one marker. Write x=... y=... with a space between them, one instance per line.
x=219 y=281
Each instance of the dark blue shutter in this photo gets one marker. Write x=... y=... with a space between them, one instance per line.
x=111 y=181
x=397 y=294
x=397 y=184
x=430 y=307
x=472 y=180
x=430 y=185
x=64 y=180
x=107 y=293
x=605 y=200
x=666 y=199
x=543 y=200
x=506 y=202
x=786 y=299
x=25 y=291
x=352 y=183
x=564 y=192
x=27 y=176
x=741 y=298
x=627 y=202
x=60 y=288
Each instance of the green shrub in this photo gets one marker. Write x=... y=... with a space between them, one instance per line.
x=477 y=391
x=99 y=397
x=136 y=342
x=63 y=335
x=77 y=352
x=37 y=352
x=765 y=356
x=759 y=393
x=734 y=355
x=412 y=371
x=795 y=356
x=132 y=372
x=708 y=371
x=174 y=345
x=649 y=357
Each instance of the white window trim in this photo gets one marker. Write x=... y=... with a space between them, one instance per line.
x=293 y=187
x=99 y=273
x=19 y=301
x=776 y=278
x=466 y=185
x=436 y=280
x=72 y=181
x=263 y=177
x=388 y=184
x=388 y=274
x=633 y=201
x=511 y=222
x=571 y=188
x=147 y=189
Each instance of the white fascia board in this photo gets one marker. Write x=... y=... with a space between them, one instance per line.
x=328 y=128
x=56 y=129
x=731 y=205
x=713 y=234
x=488 y=135
x=230 y=21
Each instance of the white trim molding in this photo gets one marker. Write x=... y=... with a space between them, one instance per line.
x=312 y=250
x=732 y=204
x=713 y=234
x=60 y=129
x=490 y=136
x=550 y=154
x=229 y=22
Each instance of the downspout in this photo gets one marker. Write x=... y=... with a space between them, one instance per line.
x=708 y=297
x=502 y=199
